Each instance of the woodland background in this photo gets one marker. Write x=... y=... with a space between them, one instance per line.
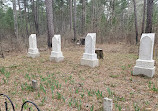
x=114 y=21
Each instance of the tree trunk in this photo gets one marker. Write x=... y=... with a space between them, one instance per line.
x=113 y=8
x=144 y=10
x=99 y=53
x=19 y=13
x=70 y=14
x=50 y=25
x=15 y=19
x=26 y=18
x=54 y=16
x=42 y=19
x=83 y=16
x=35 y=16
x=112 y=11
x=93 y=14
x=136 y=27
x=150 y=4
x=74 y=27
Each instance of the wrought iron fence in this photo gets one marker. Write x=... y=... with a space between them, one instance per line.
x=12 y=105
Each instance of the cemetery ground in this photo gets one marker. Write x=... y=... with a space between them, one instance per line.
x=68 y=86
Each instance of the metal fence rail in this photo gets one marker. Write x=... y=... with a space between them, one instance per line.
x=22 y=107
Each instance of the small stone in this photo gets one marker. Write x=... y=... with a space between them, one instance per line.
x=34 y=84
x=148 y=109
x=107 y=104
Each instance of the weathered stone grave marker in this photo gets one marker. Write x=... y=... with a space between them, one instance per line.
x=34 y=84
x=90 y=57
x=107 y=104
x=56 y=54
x=145 y=63
x=33 y=50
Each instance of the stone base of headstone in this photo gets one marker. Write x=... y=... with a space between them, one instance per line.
x=144 y=67
x=33 y=53
x=56 y=56
x=90 y=60
x=55 y=59
x=91 y=63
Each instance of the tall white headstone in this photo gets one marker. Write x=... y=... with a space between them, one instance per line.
x=145 y=63
x=90 y=57
x=56 y=54
x=33 y=50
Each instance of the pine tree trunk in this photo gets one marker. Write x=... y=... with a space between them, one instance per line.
x=50 y=25
x=37 y=16
x=34 y=10
x=26 y=19
x=150 y=4
x=136 y=27
x=15 y=19
x=83 y=16
x=43 y=20
x=74 y=27
x=144 y=10
x=19 y=14
x=92 y=15
x=70 y=14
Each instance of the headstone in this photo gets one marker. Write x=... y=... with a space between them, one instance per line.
x=56 y=54
x=33 y=50
x=145 y=63
x=90 y=57
x=107 y=104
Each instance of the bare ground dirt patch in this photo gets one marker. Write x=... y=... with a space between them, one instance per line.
x=68 y=86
